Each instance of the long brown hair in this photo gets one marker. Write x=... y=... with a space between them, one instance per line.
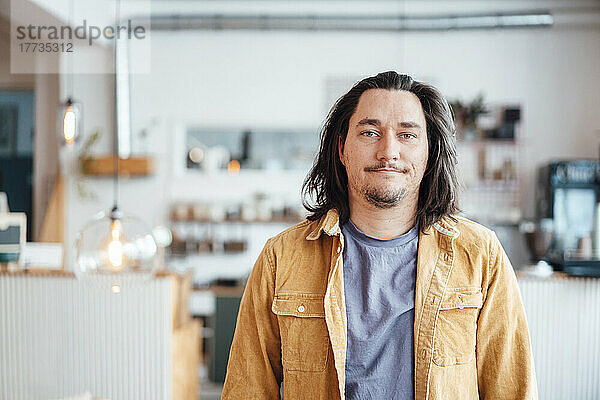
x=327 y=181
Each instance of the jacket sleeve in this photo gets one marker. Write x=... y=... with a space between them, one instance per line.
x=505 y=367
x=254 y=370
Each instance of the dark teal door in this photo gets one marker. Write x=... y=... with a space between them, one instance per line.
x=17 y=121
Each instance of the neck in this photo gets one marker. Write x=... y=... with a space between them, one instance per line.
x=385 y=223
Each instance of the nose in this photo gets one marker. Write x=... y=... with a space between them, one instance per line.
x=388 y=148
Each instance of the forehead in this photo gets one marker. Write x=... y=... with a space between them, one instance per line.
x=389 y=105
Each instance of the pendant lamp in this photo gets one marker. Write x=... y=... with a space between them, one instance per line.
x=116 y=248
x=69 y=121
x=69 y=112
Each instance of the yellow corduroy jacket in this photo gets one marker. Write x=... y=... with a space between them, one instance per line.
x=470 y=334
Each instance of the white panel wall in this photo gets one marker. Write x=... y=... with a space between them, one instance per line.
x=60 y=337
x=564 y=321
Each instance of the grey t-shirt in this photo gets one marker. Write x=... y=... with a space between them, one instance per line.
x=379 y=284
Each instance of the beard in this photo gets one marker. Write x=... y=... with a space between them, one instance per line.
x=383 y=198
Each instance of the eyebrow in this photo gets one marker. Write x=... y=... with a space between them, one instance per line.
x=376 y=122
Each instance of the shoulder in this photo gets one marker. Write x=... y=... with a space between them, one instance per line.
x=470 y=229
x=473 y=234
x=276 y=246
x=294 y=232
x=292 y=237
x=478 y=252
x=301 y=264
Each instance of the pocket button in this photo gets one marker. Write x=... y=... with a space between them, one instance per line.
x=301 y=308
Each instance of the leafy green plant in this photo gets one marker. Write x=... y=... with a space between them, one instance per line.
x=466 y=113
x=82 y=190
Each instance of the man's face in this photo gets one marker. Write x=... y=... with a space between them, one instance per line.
x=386 y=149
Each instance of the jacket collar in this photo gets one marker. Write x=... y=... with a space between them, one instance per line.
x=330 y=224
x=447 y=227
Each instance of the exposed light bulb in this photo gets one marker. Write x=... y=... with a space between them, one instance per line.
x=69 y=122
x=115 y=247
x=69 y=125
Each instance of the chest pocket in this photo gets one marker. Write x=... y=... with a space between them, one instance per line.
x=304 y=336
x=455 y=335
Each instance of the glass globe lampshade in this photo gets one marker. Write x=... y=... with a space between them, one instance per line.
x=116 y=249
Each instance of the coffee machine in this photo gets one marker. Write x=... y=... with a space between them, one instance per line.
x=568 y=192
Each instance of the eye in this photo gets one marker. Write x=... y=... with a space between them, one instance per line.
x=369 y=133
x=408 y=135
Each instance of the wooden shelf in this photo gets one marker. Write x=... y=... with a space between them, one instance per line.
x=104 y=166
x=19 y=271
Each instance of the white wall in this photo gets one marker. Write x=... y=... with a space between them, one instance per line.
x=277 y=79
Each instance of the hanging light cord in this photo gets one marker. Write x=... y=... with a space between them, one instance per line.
x=70 y=60
x=70 y=57
x=116 y=179
x=115 y=211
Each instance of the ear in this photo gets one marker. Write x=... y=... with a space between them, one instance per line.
x=340 y=151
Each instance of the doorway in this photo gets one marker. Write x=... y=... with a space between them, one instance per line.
x=17 y=121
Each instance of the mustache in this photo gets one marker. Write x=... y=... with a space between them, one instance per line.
x=386 y=166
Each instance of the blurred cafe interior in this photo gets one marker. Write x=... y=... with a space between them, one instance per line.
x=183 y=145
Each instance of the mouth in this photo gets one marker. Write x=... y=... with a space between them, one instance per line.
x=387 y=171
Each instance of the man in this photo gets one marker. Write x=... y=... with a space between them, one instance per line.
x=383 y=292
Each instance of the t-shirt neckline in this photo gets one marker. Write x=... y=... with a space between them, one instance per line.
x=371 y=241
